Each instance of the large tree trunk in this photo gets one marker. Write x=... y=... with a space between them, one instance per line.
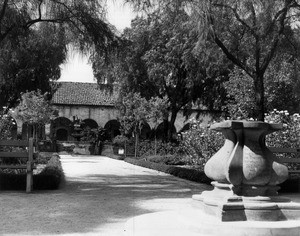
x=136 y=145
x=166 y=130
x=259 y=97
x=172 y=122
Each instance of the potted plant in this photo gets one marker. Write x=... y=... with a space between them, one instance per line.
x=119 y=144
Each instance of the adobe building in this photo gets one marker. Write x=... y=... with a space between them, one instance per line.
x=83 y=102
x=95 y=107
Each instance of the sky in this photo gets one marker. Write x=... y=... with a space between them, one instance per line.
x=77 y=67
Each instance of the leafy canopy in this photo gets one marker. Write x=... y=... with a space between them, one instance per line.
x=34 y=35
x=249 y=33
x=34 y=109
x=30 y=62
x=84 y=21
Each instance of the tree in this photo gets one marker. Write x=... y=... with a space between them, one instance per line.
x=158 y=112
x=159 y=59
x=170 y=62
x=35 y=33
x=134 y=110
x=34 y=110
x=83 y=20
x=248 y=33
x=240 y=93
x=126 y=66
x=30 y=62
x=282 y=81
x=282 y=88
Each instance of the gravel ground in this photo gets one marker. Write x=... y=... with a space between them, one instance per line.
x=99 y=196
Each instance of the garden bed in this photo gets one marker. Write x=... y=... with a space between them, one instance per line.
x=181 y=172
x=292 y=185
x=48 y=176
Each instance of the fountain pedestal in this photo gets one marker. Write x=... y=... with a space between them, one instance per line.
x=246 y=175
x=244 y=200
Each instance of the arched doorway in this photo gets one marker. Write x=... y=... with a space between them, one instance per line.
x=62 y=134
x=112 y=128
x=90 y=123
x=60 y=128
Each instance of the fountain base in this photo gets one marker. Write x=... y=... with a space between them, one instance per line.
x=197 y=223
x=225 y=205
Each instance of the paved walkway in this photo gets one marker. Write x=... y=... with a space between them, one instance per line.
x=122 y=191
x=99 y=196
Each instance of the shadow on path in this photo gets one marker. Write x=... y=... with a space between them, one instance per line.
x=94 y=202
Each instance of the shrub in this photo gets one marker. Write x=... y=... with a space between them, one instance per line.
x=166 y=159
x=184 y=173
x=48 y=179
x=51 y=176
x=147 y=148
x=120 y=140
x=200 y=143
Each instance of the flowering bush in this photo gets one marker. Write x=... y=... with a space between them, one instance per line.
x=289 y=136
x=200 y=143
x=6 y=125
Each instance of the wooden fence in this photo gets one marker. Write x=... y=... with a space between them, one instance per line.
x=27 y=155
x=293 y=160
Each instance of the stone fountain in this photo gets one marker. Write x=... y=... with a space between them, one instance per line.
x=77 y=133
x=244 y=200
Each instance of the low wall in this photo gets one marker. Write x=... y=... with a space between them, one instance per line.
x=76 y=147
x=107 y=149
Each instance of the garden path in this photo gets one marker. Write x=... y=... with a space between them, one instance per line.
x=99 y=196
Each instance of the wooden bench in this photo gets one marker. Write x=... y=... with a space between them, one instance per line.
x=293 y=160
x=27 y=155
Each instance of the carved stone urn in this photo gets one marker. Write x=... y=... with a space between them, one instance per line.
x=246 y=174
x=244 y=200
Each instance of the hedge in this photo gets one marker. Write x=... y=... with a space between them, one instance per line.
x=181 y=172
x=49 y=178
x=291 y=185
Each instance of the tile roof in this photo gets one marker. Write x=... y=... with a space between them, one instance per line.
x=74 y=93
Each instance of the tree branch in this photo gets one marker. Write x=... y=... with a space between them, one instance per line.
x=275 y=41
x=28 y=24
x=2 y=13
x=237 y=16
x=57 y=20
x=288 y=5
x=232 y=58
x=228 y=54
